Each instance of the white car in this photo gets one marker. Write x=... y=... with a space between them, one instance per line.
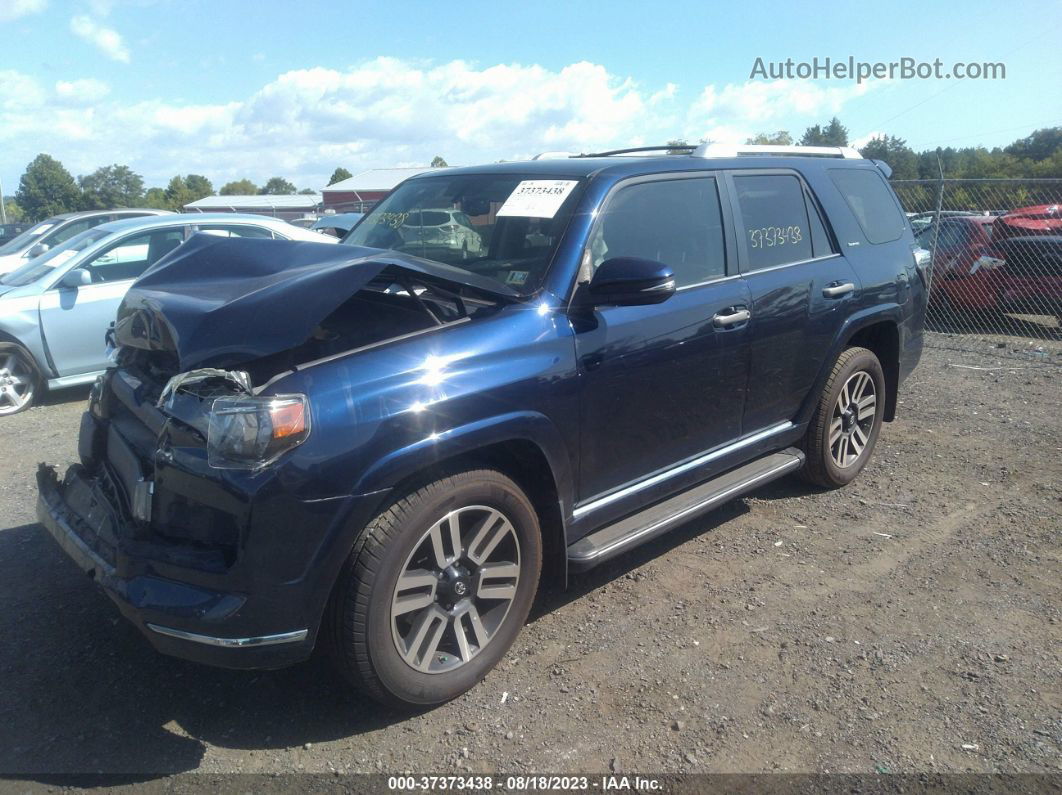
x=54 y=231
x=55 y=309
x=441 y=228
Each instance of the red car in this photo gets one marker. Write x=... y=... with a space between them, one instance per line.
x=1004 y=264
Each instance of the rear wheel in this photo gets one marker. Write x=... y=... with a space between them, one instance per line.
x=437 y=589
x=847 y=420
x=20 y=381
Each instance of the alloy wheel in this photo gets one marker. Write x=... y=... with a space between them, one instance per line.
x=853 y=419
x=16 y=384
x=455 y=589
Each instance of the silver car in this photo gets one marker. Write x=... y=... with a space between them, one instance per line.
x=55 y=309
x=56 y=230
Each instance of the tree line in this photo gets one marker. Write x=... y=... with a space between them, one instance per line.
x=1037 y=155
x=46 y=188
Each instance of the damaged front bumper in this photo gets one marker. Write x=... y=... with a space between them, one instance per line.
x=178 y=618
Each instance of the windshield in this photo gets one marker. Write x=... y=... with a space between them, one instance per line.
x=46 y=263
x=501 y=226
x=27 y=238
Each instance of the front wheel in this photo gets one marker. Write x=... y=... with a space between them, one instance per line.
x=20 y=381
x=847 y=420
x=437 y=589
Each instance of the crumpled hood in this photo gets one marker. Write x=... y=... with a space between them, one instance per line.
x=221 y=302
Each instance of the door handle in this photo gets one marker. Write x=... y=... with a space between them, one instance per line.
x=730 y=318
x=837 y=290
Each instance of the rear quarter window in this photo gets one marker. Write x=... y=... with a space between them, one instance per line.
x=871 y=202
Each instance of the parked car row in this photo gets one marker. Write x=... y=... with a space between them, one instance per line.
x=55 y=308
x=997 y=264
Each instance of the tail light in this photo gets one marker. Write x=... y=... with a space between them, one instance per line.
x=922 y=260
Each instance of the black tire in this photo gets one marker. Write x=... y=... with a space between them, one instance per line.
x=821 y=466
x=360 y=614
x=26 y=370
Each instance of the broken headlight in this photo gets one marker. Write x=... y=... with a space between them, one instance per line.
x=247 y=432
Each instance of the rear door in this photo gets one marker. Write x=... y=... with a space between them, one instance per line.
x=801 y=290
x=661 y=384
x=75 y=319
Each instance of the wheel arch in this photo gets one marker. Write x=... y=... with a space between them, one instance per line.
x=526 y=447
x=876 y=329
x=883 y=340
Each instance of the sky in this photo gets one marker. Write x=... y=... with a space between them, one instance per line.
x=233 y=88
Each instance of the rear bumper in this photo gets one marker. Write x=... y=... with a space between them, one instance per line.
x=181 y=619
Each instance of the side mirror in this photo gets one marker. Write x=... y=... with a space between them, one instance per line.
x=36 y=250
x=74 y=278
x=631 y=281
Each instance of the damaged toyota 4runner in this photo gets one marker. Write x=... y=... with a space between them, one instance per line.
x=378 y=447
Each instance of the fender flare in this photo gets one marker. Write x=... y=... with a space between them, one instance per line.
x=853 y=324
x=521 y=426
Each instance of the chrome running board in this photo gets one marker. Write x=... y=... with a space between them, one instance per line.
x=627 y=533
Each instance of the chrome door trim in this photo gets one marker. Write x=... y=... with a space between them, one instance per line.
x=660 y=477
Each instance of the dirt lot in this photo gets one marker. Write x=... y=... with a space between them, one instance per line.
x=911 y=622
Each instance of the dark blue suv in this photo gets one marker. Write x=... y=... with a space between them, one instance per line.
x=377 y=446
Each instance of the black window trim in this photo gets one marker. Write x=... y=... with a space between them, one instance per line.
x=811 y=203
x=729 y=252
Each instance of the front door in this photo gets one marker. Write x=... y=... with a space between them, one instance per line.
x=74 y=320
x=661 y=383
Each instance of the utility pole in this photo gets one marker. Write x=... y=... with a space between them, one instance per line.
x=3 y=209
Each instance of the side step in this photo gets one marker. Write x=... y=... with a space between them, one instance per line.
x=627 y=533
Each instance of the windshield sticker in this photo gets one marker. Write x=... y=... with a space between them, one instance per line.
x=537 y=198
x=516 y=277
x=41 y=229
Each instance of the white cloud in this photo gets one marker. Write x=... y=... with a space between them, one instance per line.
x=859 y=143
x=663 y=95
x=81 y=92
x=108 y=40
x=13 y=9
x=387 y=112
x=757 y=103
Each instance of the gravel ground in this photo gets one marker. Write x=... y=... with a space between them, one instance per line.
x=910 y=622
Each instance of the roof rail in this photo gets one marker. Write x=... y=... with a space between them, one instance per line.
x=736 y=150
x=688 y=148
x=553 y=155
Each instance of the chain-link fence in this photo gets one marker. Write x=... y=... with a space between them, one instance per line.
x=996 y=280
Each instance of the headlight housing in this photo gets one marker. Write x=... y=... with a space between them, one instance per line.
x=249 y=432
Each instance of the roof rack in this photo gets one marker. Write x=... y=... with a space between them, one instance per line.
x=631 y=150
x=736 y=150
x=553 y=155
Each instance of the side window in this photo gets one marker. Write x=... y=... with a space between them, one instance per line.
x=774 y=219
x=951 y=236
x=234 y=230
x=130 y=257
x=871 y=202
x=677 y=222
x=64 y=233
